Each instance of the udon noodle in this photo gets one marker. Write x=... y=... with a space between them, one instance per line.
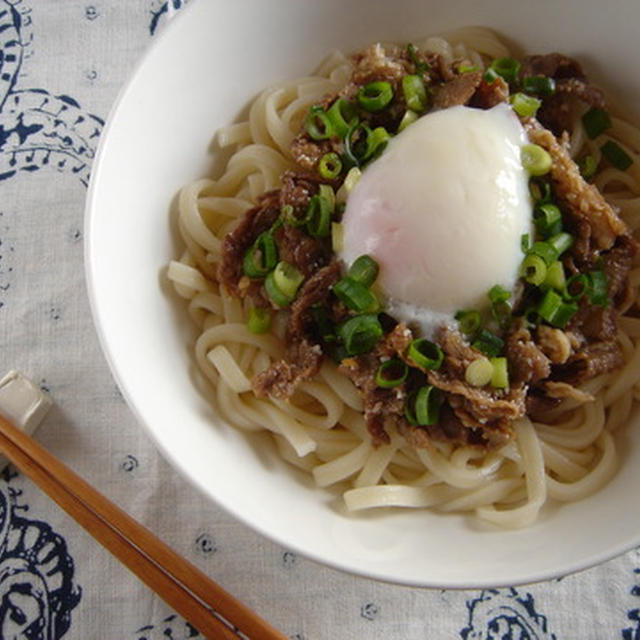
x=321 y=429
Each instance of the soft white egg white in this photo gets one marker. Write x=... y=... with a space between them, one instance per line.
x=442 y=211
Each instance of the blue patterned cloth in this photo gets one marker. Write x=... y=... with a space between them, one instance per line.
x=61 y=64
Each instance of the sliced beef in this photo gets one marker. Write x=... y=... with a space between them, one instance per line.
x=592 y=360
x=595 y=323
x=489 y=94
x=378 y=62
x=616 y=265
x=307 y=152
x=314 y=291
x=302 y=362
x=556 y=112
x=303 y=357
x=527 y=363
x=236 y=243
x=488 y=410
x=578 y=199
x=379 y=404
x=554 y=65
x=457 y=91
x=538 y=404
x=306 y=253
x=554 y=344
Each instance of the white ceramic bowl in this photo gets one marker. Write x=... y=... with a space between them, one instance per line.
x=198 y=76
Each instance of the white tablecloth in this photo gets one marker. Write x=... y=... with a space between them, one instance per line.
x=61 y=65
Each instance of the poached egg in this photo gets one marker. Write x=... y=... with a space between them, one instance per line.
x=442 y=211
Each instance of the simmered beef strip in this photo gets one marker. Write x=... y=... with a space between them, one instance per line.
x=476 y=407
x=314 y=291
x=457 y=91
x=527 y=363
x=592 y=360
x=489 y=94
x=580 y=200
x=556 y=112
x=554 y=65
x=235 y=244
x=616 y=265
x=303 y=361
x=379 y=404
x=303 y=357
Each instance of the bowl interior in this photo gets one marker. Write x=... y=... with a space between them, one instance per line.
x=198 y=76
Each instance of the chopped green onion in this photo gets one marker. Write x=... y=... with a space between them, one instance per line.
x=556 y=312
x=525 y=242
x=287 y=278
x=507 y=68
x=545 y=250
x=420 y=66
x=261 y=257
x=595 y=121
x=376 y=142
x=524 y=105
x=342 y=116
x=319 y=217
x=488 y=343
x=415 y=95
x=467 y=68
x=356 y=144
x=616 y=155
x=392 y=373
x=408 y=118
x=426 y=354
x=498 y=294
x=547 y=219
x=273 y=291
x=364 y=269
x=540 y=190
x=468 y=321
x=375 y=96
x=501 y=312
x=490 y=76
x=291 y=219
x=422 y=406
x=355 y=295
x=479 y=372
x=555 y=277
x=352 y=179
x=330 y=166
x=576 y=287
x=598 y=290
x=500 y=307
x=560 y=242
x=540 y=85
x=326 y=191
x=337 y=237
x=533 y=269
x=259 y=320
x=500 y=375
x=535 y=159
x=360 y=334
x=317 y=124
x=588 y=166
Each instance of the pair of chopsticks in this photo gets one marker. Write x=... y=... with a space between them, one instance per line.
x=209 y=608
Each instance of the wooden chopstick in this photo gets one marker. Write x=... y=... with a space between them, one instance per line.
x=209 y=608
